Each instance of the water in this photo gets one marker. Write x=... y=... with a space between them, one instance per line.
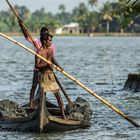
x=100 y=63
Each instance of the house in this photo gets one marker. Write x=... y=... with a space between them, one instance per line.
x=58 y=30
x=71 y=28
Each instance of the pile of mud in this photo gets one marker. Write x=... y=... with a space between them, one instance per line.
x=10 y=109
x=79 y=110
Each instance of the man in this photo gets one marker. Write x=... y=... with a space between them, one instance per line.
x=37 y=46
x=47 y=80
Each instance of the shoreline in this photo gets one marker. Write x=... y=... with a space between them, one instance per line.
x=90 y=35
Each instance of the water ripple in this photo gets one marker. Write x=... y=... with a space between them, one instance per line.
x=101 y=63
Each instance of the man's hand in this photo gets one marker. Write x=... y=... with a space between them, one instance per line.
x=23 y=28
x=20 y=21
x=61 y=68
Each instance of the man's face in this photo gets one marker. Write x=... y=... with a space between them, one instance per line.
x=48 y=42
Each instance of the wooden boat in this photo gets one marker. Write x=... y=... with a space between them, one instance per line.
x=47 y=117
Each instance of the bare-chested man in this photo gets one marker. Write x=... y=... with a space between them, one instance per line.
x=47 y=80
x=37 y=45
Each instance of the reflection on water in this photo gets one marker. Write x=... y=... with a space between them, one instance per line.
x=101 y=63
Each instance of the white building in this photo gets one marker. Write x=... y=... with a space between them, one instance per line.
x=58 y=30
x=72 y=28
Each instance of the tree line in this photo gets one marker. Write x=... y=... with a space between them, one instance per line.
x=121 y=16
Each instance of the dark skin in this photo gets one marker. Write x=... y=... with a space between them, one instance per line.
x=45 y=67
x=46 y=49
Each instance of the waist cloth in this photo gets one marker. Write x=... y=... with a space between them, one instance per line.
x=48 y=83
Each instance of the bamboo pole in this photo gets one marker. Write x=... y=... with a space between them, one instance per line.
x=61 y=87
x=75 y=80
x=22 y=25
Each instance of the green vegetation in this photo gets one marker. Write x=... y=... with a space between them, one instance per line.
x=121 y=16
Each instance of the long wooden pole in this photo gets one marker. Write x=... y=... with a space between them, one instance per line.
x=22 y=25
x=12 y=9
x=61 y=87
x=75 y=80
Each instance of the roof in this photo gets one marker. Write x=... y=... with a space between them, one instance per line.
x=71 y=25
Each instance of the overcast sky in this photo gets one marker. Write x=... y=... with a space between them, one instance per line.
x=49 y=5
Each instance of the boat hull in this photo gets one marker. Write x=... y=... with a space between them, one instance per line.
x=46 y=119
x=32 y=125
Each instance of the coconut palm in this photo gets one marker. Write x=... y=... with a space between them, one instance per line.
x=106 y=12
x=23 y=12
x=131 y=6
x=62 y=8
x=92 y=2
x=130 y=9
x=80 y=15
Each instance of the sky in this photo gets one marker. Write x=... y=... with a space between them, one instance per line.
x=49 y=5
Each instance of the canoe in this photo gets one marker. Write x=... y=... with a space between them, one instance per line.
x=46 y=117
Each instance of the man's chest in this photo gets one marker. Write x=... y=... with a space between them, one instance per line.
x=47 y=53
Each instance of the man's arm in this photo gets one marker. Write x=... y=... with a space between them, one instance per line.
x=56 y=63
x=27 y=36
x=23 y=29
x=40 y=64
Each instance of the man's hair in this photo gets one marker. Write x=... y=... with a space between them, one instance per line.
x=44 y=30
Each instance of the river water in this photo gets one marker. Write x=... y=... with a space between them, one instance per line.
x=100 y=63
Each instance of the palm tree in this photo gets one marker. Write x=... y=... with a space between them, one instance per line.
x=130 y=9
x=92 y=2
x=106 y=12
x=62 y=8
x=80 y=15
x=131 y=6
x=63 y=16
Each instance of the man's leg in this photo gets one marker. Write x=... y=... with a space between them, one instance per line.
x=60 y=103
x=32 y=92
x=34 y=85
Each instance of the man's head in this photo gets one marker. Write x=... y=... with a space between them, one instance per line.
x=46 y=39
x=44 y=30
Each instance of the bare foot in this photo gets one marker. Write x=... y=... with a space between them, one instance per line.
x=64 y=117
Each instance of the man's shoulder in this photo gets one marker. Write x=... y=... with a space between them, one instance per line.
x=51 y=48
x=40 y=50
